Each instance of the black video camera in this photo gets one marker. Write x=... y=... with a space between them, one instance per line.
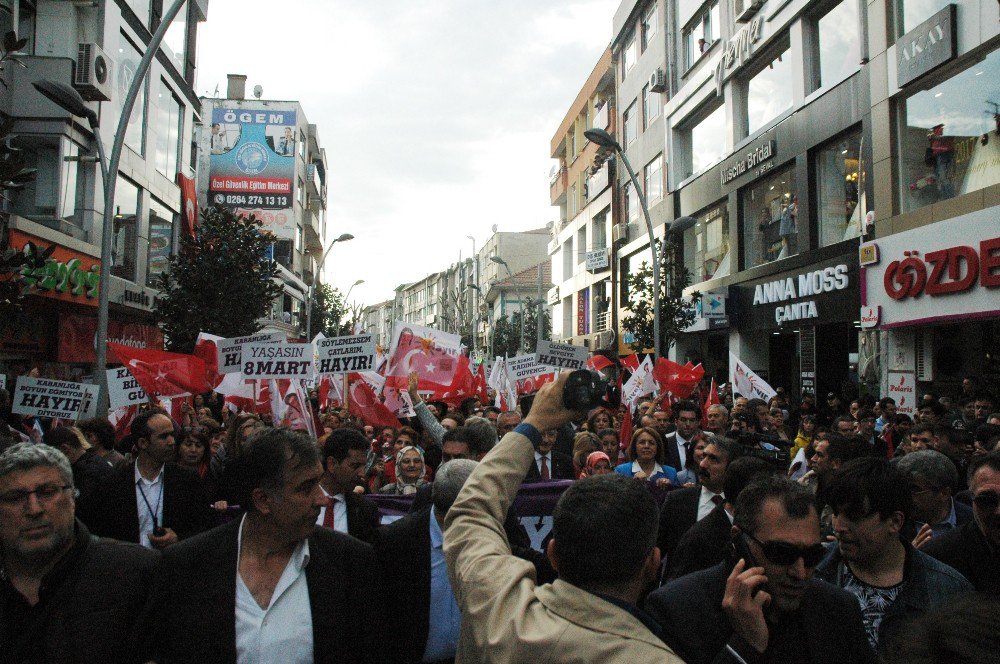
x=584 y=390
x=768 y=448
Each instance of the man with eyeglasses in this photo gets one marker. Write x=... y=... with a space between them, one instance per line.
x=65 y=596
x=893 y=582
x=932 y=477
x=974 y=548
x=762 y=604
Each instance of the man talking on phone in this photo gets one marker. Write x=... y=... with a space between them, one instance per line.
x=763 y=604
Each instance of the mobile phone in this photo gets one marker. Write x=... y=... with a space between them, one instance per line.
x=739 y=549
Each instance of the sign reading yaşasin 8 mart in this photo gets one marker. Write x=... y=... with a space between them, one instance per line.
x=252 y=164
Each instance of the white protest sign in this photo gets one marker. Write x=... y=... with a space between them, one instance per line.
x=124 y=389
x=229 y=351
x=277 y=360
x=639 y=384
x=561 y=356
x=43 y=397
x=522 y=367
x=338 y=355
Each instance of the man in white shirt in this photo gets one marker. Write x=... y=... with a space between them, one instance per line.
x=269 y=586
x=687 y=417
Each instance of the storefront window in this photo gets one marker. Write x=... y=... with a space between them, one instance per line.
x=837 y=167
x=911 y=13
x=161 y=241
x=176 y=39
x=706 y=245
x=169 y=120
x=123 y=243
x=949 y=137
x=128 y=63
x=770 y=219
x=769 y=92
x=838 y=44
x=707 y=141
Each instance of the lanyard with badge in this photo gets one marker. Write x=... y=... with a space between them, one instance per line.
x=158 y=530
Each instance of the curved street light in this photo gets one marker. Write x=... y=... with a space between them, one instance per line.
x=604 y=140
x=312 y=284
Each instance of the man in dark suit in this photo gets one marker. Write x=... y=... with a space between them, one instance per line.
x=763 y=604
x=152 y=501
x=932 y=476
x=344 y=456
x=410 y=553
x=704 y=544
x=683 y=508
x=270 y=586
x=677 y=445
x=550 y=464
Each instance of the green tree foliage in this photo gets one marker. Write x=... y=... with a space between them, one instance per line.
x=507 y=330
x=220 y=281
x=331 y=314
x=676 y=311
x=531 y=324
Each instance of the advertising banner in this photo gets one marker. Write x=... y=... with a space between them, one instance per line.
x=277 y=360
x=252 y=165
x=230 y=351
x=431 y=353
x=903 y=388
x=77 y=335
x=42 y=397
x=561 y=356
x=124 y=389
x=337 y=355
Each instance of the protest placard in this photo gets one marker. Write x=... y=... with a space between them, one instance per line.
x=561 y=356
x=43 y=397
x=124 y=389
x=230 y=351
x=337 y=355
x=277 y=360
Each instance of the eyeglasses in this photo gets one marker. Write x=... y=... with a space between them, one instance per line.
x=784 y=553
x=45 y=493
x=988 y=501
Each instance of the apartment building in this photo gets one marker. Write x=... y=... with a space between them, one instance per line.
x=263 y=157
x=96 y=47
x=583 y=299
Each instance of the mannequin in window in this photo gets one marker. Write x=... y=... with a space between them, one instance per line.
x=787 y=229
x=941 y=155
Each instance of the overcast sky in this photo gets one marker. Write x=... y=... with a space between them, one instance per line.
x=436 y=116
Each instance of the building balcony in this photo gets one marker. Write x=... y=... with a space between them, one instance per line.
x=314 y=186
x=602 y=321
x=603 y=117
x=558 y=186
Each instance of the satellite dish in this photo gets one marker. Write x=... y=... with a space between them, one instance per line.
x=258 y=91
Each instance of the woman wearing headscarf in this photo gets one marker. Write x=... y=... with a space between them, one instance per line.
x=597 y=464
x=409 y=472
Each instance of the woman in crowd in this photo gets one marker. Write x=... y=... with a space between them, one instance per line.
x=611 y=445
x=221 y=475
x=776 y=418
x=689 y=475
x=646 y=452
x=584 y=443
x=599 y=420
x=597 y=464
x=216 y=434
x=195 y=452
x=807 y=431
x=410 y=476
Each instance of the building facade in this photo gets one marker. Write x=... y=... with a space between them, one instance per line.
x=263 y=157
x=71 y=43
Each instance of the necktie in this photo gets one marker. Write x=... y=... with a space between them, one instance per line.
x=328 y=516
x=717 y=500
x=545 y=468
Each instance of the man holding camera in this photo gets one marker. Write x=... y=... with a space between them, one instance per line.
x=603 y=548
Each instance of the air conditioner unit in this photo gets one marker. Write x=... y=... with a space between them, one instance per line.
x=658 y=81
x=92 y=77
x=744 y=10
x=619 y=233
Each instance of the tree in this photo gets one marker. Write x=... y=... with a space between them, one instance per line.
x=220 y=281
x=331 y=314
x=506 y=336
x=531 y=324
x=507 y=331
x=676 y=311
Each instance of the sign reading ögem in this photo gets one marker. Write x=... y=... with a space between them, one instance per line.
x=562 y=356
x=338 y=355
x=281 y=360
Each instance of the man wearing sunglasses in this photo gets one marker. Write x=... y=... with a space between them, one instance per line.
x=763 y=604
x=893 y=582
x=65 y=595
x=974 y=548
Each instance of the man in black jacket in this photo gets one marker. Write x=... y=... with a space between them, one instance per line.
x=344 y=455
x=153 y=501
x=550 y=464
x=763 y=604
x=270 y=586
x=65 y=595
x=974 y=549
x=410 y=553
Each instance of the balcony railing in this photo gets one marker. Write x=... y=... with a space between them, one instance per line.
x=602 y=321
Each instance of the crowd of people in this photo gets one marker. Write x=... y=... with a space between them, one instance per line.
x=747 y=531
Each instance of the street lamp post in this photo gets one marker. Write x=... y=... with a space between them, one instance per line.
x=110 y=173
x=497 y=259
x=475 y=306
x=312 y=284
x=604 y=140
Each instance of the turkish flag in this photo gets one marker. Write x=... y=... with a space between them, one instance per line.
x=676 y=379
x=480 y=381
x=205 y=348
x=362 y=402
x=599 y=363
x=162 y=374
x=121 y=420
x=462 y=385
x=710 y=399
x=189 y=203
x=631 y=362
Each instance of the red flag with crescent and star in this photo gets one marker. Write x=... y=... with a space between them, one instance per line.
x=162 y=374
